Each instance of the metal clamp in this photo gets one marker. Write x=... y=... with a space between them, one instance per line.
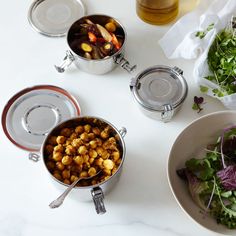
x=34 y=157
x=178 y=70
x=168 y=113
x=123 y=132
x=69 y=58
x=120 y=60
x=98 y=197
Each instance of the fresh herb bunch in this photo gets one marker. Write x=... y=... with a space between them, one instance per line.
x=212 y=179
x=222 y=62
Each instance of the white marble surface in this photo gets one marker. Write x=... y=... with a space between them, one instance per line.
x=141 y=203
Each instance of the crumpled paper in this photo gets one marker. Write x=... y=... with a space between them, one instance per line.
x=181 y=41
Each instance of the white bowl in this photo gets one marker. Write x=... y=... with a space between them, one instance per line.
x=191 y=143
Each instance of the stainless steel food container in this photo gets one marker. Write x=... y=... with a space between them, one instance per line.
x=159 y=91
x=95 y=66
x=95 y=192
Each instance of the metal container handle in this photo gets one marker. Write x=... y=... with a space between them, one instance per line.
x=34 y=157
x=168 y=113
x=98 y=197
x=68 y=59
x=123 y=132
x=123 y=63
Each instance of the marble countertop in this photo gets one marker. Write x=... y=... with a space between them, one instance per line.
x=141 y=203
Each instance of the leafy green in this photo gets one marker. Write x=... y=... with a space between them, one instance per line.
x=221 y=60
x=211 y=183
x=202 y=34
x=204 y=89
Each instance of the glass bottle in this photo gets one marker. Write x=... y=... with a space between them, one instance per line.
x=157 y=12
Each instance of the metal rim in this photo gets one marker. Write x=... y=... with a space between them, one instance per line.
x=167 y=69
x=101 y=183
x=30 y=12
x=24 y=91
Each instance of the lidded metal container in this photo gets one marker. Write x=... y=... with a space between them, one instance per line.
x=159 y=91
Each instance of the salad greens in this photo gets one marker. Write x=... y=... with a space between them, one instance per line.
x=202 y=34
x=197 y=103
x=212 y=179
x=221 y=60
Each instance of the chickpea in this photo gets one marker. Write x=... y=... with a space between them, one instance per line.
x=118 y=162
x=92 y=171
x=77 y=142
x=99 y=150
x=107 y=172
x=82 y=150
x=73 y=136
x=91 y=136
x=99 y=162
x=104 y=134
x=73 y=178
x=96 y=131
x=79 y=129
x=108 y=164
x=91 y=160
x=66 y=160
x=93 y=144
x=49 y=149
x=93 y=153
x=66 y=181
x=105 y=155
x=79 y=160
x=114 y=170
x=99 y=141
x=57 y=156
x=57 y=176
x=115 y=156
x=86 y=158
x=60 y=166
x=66 y=174
x=70 y=150
x=50 y=165
x=61 y=139
x=83 y=174
x=93 y=182
x=87 y=128
x=59 y=148
x=52 y=140
x=65 y=132
x=84 y=137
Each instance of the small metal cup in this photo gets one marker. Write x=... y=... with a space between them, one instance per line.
x=95 y=66
x=99 y=190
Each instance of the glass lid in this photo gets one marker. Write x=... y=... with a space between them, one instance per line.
x=54 y=17
x=158 y=86
x=31 y=113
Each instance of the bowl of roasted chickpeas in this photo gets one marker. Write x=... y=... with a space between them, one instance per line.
x=82 y=147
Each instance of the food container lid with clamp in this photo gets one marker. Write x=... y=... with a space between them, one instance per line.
x=54 y=17
x=30 y=114
x=160 y=89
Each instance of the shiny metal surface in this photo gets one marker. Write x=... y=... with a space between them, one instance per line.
x=31 y=113
x=84 y=193
x=98 y=66
x=54 y=17
x=59 y=201
x=160 y=91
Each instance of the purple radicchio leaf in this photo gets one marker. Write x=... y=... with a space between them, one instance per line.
x=227 y=177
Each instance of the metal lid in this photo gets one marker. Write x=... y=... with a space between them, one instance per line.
x=158 y=87
x=54 y=17
x=30 y=114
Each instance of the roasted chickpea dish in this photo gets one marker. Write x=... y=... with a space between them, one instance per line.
x=96 y=37
x=81 y=149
